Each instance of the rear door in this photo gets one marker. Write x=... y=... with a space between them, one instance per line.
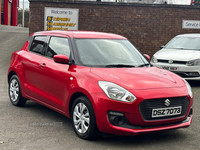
x=31 y=66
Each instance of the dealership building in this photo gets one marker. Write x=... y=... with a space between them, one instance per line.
x=9 y=12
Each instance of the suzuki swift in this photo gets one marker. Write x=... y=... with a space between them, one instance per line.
x=100 y=81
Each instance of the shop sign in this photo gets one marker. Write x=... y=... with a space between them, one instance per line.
x=60 y=19
x=191 y=24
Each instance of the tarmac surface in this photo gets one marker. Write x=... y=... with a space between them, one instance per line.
x=35 y=127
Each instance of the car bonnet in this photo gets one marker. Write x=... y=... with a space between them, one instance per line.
x=177 y=54
x=140 y=78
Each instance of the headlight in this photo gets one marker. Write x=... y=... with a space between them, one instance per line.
x=116 y=92
x=154 y=59
x=189 y=88
x=195 y=62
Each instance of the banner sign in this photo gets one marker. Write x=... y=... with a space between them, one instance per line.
x=191 y=24
x=60 y=19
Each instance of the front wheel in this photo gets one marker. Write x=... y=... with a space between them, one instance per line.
x=15 y=94
x=83 y=118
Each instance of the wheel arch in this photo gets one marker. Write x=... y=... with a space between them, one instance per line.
x=11 y=73
x=72 y=99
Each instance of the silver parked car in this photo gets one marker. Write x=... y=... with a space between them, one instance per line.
x=160 y=2
x=181 y=56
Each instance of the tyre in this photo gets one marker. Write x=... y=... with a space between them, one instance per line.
x=83 y=118
x=14 y=90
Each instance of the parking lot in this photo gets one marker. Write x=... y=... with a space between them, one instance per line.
x=35 y=127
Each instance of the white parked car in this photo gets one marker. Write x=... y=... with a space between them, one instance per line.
x=181 y=56
x=176 y=2
x=162 y=2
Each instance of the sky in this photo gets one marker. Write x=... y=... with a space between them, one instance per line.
x=26 y=4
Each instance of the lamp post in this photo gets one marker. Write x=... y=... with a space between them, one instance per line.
x=23 y=15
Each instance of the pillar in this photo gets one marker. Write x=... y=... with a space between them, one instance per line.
x=15 y=12
x=7 y=12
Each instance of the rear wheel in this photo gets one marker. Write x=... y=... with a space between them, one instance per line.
x=15 y=92
x=83 y=118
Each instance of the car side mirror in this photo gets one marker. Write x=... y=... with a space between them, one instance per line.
x=62 y=59
x=147 y=57
x=161 y=47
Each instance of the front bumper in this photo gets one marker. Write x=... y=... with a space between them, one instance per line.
x=186 y=72
x=135 y=130
x=134 y=123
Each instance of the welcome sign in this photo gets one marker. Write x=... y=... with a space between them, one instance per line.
x=191 y=24
x=60 y=19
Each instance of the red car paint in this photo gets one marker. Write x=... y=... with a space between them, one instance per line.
x=53 y=85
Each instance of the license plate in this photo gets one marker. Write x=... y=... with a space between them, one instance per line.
x=170 y=68
x=163 y=112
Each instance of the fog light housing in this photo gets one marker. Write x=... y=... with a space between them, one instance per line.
x=192 y=74
x=116 y=118
x=191 y=112
x=119 y=119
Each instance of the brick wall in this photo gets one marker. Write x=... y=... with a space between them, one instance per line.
x=147 y=26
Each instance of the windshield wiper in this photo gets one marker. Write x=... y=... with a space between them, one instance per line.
x=143 y=65
x=118 y=65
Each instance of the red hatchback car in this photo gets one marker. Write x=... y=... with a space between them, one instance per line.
x=100 y=81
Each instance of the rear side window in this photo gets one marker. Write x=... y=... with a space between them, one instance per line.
x=38 y=45
x=58 y=45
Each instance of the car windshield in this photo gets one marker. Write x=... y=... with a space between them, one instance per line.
x=109 y=53
x=189 y=43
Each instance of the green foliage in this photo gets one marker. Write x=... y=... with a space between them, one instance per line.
x=26 y=15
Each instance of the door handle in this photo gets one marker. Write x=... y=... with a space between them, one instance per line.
x=43 y=65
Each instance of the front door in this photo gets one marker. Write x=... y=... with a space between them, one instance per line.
x=54 y=77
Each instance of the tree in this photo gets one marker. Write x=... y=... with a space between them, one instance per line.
x=26 y=15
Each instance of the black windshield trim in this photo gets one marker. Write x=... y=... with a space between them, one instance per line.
x=119 y=66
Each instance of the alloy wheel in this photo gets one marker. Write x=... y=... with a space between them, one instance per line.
x=14 y=90
x=81 y=118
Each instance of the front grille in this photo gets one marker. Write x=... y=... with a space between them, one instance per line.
x=174 y=61
x=146 y=107
x=187 y=74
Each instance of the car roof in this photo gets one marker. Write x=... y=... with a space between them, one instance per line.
x=189 y=35
x=80 y=34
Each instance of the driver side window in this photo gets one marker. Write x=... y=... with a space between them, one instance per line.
x=58 y=45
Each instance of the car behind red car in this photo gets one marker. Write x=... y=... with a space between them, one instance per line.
x=100 y=81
